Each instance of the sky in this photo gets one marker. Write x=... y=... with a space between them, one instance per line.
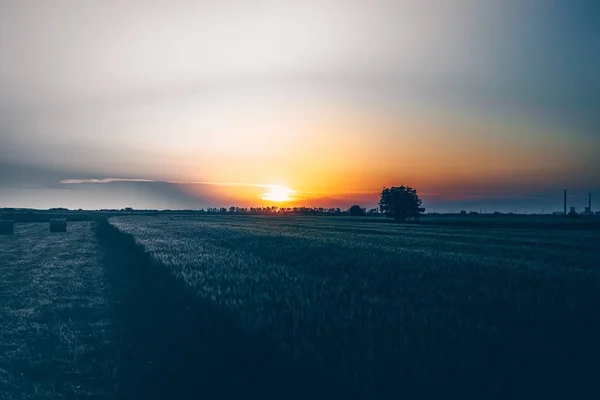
x=477 y=104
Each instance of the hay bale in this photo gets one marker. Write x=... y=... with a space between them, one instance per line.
x=58 y=225
x=7 y=227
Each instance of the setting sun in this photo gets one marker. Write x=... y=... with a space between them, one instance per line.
x=278 y=193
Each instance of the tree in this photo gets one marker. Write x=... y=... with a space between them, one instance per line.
x=357 y=211
x=400 y=203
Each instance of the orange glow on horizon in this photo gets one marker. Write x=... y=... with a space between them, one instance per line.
x=278 y=194
x=347 y=155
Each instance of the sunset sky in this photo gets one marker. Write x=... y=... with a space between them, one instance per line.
x=189 y=104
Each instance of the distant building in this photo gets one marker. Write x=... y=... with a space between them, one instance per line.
x=572 y=210
x=587 y=212
x=558 y=213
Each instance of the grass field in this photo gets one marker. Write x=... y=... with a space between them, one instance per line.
x=54 y=319
x=380 y=308
x=241 y=307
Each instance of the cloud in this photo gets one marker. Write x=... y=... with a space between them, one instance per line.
x=104 y=180
x=113 y=180
x=273 y=188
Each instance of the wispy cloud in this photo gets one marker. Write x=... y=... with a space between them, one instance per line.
x=104 y=180
x=113 y=180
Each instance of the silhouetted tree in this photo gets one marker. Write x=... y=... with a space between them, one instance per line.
x=400 y=203
x=357 y=211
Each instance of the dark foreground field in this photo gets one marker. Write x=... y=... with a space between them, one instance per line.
x=55 y=323
x=297 y=307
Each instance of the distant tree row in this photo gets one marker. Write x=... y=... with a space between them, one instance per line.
x=354 y=210
x=398 y=203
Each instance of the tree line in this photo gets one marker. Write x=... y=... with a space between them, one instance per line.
x=400 y=203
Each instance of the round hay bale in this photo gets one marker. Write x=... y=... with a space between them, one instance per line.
x=58 y=225
x=7 y=227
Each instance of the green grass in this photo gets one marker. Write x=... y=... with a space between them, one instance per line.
x=436 y=310
x=240 y=307
x=54 y=320
x=171 y=344
x=515 y=221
